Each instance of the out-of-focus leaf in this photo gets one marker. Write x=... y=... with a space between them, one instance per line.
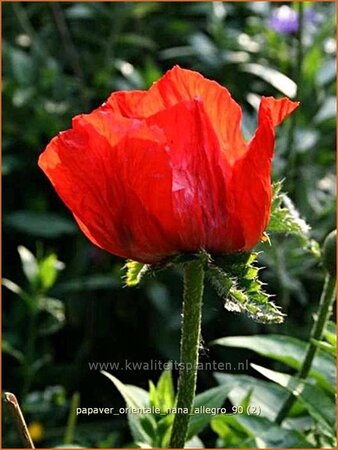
x=80 y=11
x=8 y=348
x=268 y=396
x=137 y=40
x=212 y=398
x=288 y=350
x=327 y=111
x=194 y=442
x=10 y=163
x=54 y=307
x=264 y=433
x=204 y=48
x=43 y=401
x=29 y=263
x=278 y=80
x=330 y=333
x=89 y=283
x=21 y=65
x=318 y=403
x=13 y=287
x=311 y=63
x=46 y=225
x=327 y=72
x=16 y=289
x=306 y=139
x=48 y=270
x=53 y=314
x=325 y=346
x=69 y=446
x=130 y=73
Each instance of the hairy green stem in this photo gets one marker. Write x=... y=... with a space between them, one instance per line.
x=190 y=340
x=324 y=311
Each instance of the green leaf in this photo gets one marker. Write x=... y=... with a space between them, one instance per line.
x=135 y=272
x=231 y=434
x=165 y=391
x=88 y=283
x=79 y=11
x=263 y=432
x=48 y=270
x=285 y=218
x=288 y=350
x=164 y=426
x=21 y=65
x=325 y=347
x=134 y=397
x=16 y=289
x=152 y=394
x=69 y=446
x=163 y=397
x=194 y=442
x=142 y=426
x=13 y=287
x=327 y=72
x=47 y=225
x=238 y=284
x=272 y=76
x=8 y=348
x=29 y=264
x=327 y=111
x=212 y=398
x=268 y=396
x=330 y=333
x=316 y=401
x=56 y=310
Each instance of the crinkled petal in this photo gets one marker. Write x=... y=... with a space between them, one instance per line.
x=278 y=109
x=151 y=174
x=251 y=180
x=110 y=188
x=200 y=172
x=179 y=85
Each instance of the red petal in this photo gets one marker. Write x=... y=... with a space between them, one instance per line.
x=200 y=173
x=278 y=109
x=105 y=186
x=179 y=85
x=251 y=185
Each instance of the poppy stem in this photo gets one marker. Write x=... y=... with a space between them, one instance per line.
x=324 y=311
x=190 y=341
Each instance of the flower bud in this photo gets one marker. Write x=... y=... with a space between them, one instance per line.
x=329 y=252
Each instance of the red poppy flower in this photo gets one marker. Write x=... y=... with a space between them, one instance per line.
x=160 y=172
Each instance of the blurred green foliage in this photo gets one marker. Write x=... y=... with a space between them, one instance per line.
x=62 y=59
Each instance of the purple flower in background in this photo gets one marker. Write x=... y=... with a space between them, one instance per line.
x=284 y=20
x=311 y=16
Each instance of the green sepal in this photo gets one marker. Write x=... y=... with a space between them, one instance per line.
x=329 y=253
x=134 y=272
x=285 y=219
x=238 y=284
